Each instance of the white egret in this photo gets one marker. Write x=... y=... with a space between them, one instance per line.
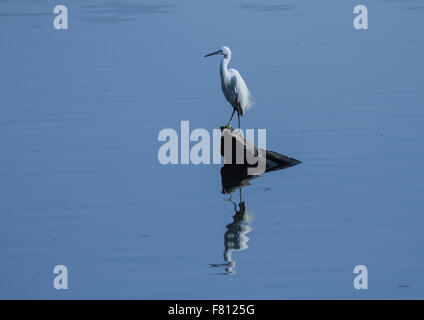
x=233 y=85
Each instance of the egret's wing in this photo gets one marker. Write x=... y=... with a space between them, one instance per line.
x=239 y=89
x=234 y=88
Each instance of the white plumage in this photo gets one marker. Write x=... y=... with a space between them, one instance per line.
x=233 y=85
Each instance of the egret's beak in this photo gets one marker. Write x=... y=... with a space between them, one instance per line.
x=211 y=54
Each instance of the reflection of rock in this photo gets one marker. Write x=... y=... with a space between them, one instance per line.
x=234 y=177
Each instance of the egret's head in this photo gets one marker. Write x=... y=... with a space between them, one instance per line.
x=225 y=51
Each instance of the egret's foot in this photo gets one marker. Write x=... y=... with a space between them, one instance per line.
x=230 y=199
x=228 y=126
x=238 y=132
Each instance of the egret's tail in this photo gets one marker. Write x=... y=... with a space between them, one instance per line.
x=246 y=103
x=250 y=101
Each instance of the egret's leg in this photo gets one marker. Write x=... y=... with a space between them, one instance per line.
x=228 y=124
x=238 y=115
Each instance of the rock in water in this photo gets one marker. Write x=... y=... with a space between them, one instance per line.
x=234 y=175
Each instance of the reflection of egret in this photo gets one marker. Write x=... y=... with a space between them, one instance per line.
x=235 y=238
x=233 y=85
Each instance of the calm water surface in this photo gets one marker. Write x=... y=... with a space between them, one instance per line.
x=81 y=185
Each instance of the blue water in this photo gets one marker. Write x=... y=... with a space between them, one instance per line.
x=81 y=185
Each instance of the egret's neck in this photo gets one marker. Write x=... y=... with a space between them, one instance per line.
x=224 y=65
